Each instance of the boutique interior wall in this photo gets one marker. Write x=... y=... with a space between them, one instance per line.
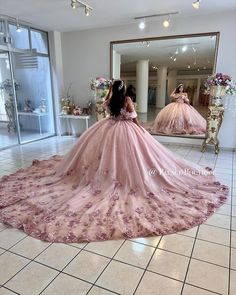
x=86 y=54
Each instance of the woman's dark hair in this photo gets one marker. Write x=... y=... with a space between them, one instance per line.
x=131 y=92
x=117 y=99
x=178 y=88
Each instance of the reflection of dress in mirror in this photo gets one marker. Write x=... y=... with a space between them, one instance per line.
x=116 y=182
x=179 y=117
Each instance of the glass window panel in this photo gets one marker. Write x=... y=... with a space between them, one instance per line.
x=20 y=39
x=34 y=96
x=39 y=41
x=8 y=122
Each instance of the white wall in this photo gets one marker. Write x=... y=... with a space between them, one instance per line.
x=86 y=54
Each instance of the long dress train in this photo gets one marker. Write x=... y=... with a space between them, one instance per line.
x=116 y=182
x=179 y=118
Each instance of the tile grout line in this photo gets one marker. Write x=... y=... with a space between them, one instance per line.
x=186 y=274
x=145 y=270
x=59 y=271
x=111 y=259
x=30 y=260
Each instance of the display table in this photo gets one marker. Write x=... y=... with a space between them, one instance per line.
x=68 y=119
x=34 y=115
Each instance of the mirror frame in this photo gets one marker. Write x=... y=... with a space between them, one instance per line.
x=216 y=34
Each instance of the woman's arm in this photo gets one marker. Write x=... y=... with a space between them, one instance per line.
x=173 y=94
x=186 y=100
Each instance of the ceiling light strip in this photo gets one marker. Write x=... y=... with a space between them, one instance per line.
x=156 y=15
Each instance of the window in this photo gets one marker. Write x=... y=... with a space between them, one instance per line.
x=39 y=41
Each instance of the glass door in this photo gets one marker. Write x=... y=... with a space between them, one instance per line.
x=32 y=74
x=8 y=118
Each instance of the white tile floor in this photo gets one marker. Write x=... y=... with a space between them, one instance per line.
x=200 y=261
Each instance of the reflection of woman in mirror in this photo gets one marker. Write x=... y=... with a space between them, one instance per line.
x=116 y=182
x=179 y=117
x=131 y=92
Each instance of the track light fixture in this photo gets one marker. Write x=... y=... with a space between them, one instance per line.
x=78 y=3
x=18 y=28
x=166 y=22
x=196 y=4
x=73 y=4
x=142 y=24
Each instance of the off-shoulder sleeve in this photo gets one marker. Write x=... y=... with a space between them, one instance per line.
x=132 y=114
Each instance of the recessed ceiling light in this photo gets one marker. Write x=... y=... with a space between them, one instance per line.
x=175 y=59
x=196 y=4
x=198 y=70
x=184 y=48
x=142 y=25
x=189 y=67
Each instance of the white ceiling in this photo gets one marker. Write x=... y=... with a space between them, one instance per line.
x=58 y=15
x=159 y=52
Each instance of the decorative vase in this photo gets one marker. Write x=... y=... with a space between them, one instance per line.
x=217 y=93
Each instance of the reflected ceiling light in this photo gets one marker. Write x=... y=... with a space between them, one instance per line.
x=155 y=68
x=78 y=3
x=204 y=68
x=198 y=70
x=166 y=22
x=189 y=67
x=196 y=4
x=194 y=49
x=146 y=43
x=18 y=28
x=184 y=48
x=177 y=51
x=175 y=59
x=142 y=24
x=171 y=57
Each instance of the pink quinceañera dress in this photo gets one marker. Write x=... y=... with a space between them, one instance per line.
x=116 y=182
x=179 y=118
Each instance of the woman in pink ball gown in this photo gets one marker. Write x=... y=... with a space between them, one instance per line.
x=179 y=117
x=116 y=182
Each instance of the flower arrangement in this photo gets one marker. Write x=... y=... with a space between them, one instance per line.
x=100 y=83
x=220 y=79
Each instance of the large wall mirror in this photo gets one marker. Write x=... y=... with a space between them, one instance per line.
x=155 y=67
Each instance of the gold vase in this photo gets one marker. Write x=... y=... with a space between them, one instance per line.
x=217 y=93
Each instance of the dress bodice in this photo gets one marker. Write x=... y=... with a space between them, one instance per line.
x=124 y=114
x=181 y=98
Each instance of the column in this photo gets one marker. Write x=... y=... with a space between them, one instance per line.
x=142 y=75
x=116 y=65
x=171 y=81
x=161 y=87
